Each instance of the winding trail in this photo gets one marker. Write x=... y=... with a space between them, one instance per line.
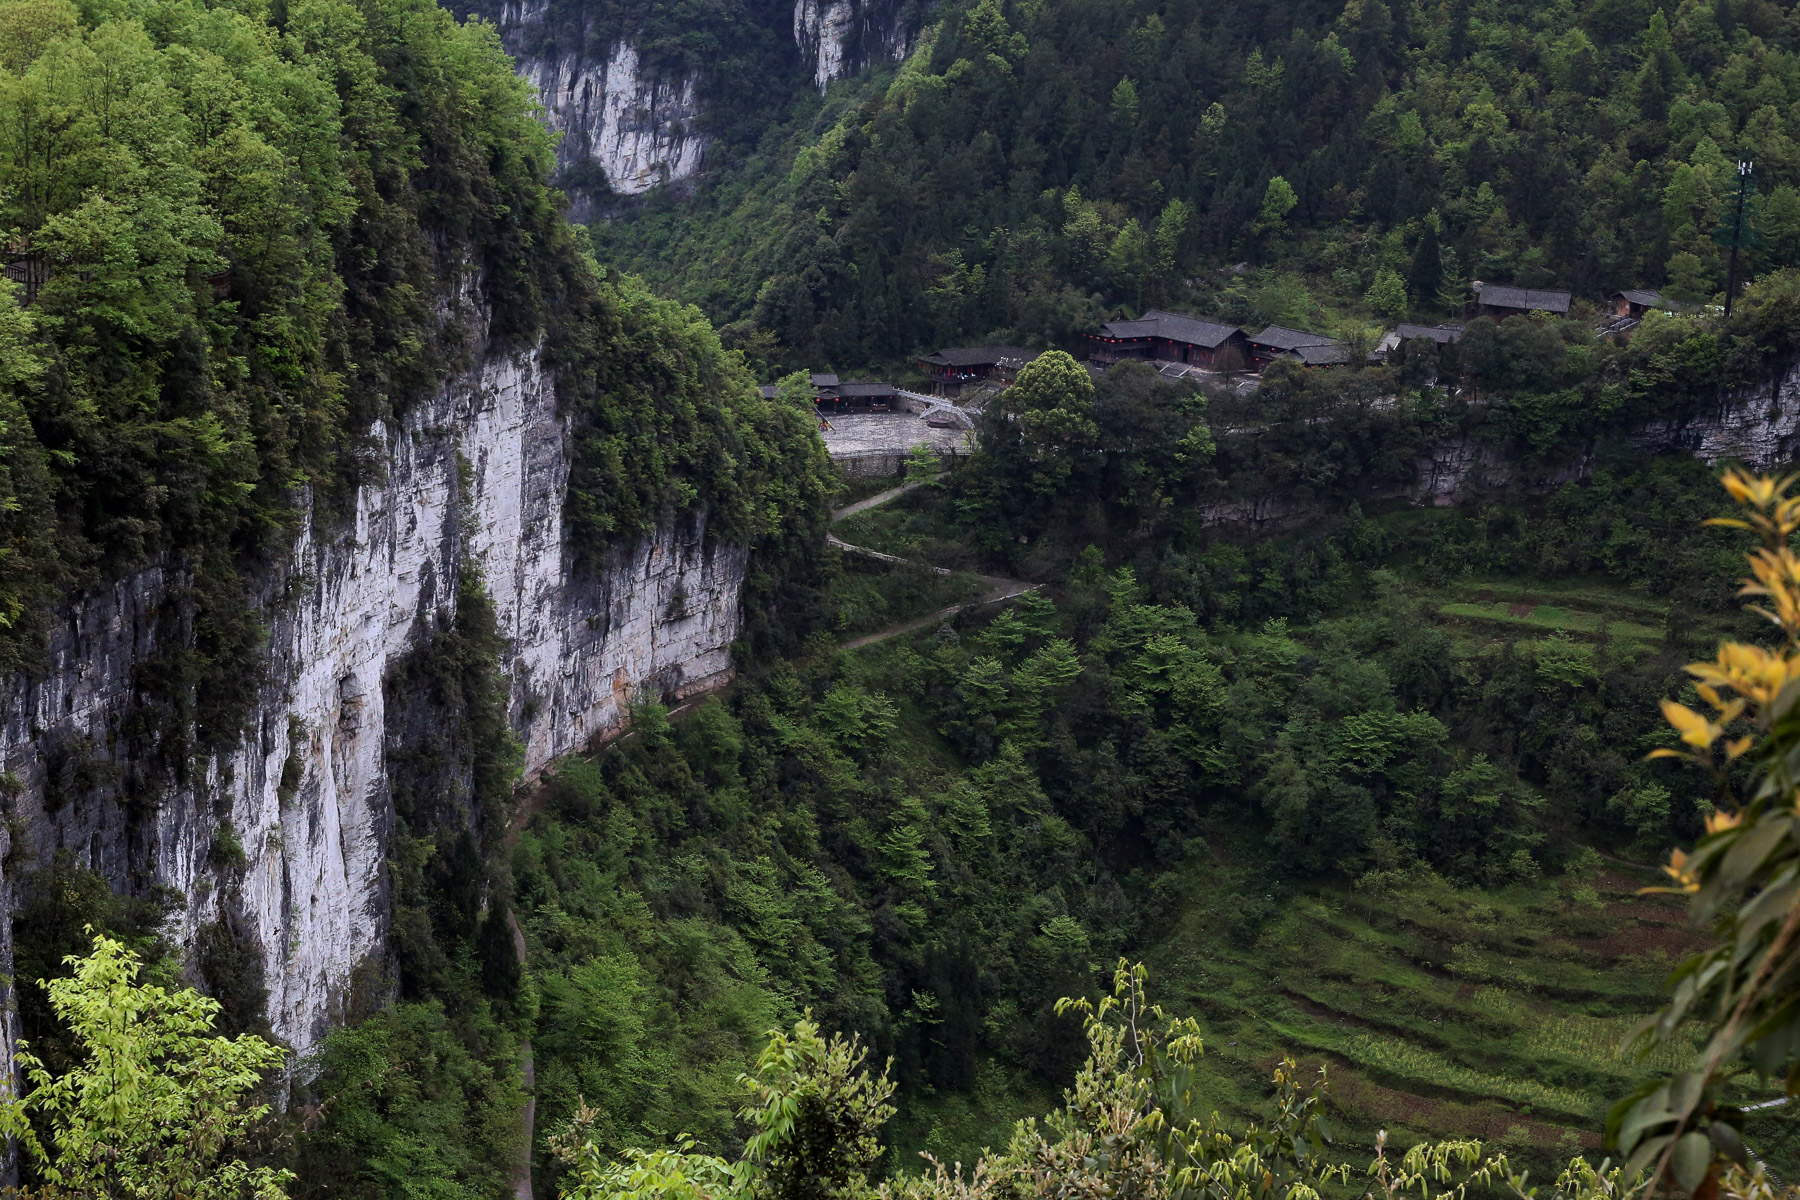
x=999 y=587
x=531 y=803
x=875 y=501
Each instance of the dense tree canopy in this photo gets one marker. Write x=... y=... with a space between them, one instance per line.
x=1032 y=167
x=240 y=238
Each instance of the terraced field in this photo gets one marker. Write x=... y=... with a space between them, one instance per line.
x=1493 y=1012
x=1487 y=614
x=1499 y=1013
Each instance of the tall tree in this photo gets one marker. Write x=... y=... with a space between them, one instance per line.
x=156 y=1107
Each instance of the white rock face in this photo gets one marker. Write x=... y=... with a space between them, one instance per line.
x=820 y=29
x=659 y=615
x=1760 y=428
x=824 y=31
x=640 y=131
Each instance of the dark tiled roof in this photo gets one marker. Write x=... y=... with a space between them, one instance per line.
x=1643 y=296
x=865 y=388
x=769 y=391
x=979 y=356
x=824 y=379
x=1129 y=329
x=1494 y=295
x=1279 y=337
x=1440 y=334
x=1174 y=327
x=1321 y=356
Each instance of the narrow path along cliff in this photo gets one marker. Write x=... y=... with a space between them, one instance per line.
x=529 y=802
x=999 y=587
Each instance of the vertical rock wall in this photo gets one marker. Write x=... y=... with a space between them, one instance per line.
x=474 y=479
x=838 y=37
x=641 y=128
x=821 y=29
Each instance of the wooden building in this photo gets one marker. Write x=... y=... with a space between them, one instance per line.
x=859 y=395
x=1278 y=341
x=1443 y=335
x=1333 y=355
x=1500 y=302
x=1635 y=302
x=1167 y=338
x=832 y=395
x=954 y=369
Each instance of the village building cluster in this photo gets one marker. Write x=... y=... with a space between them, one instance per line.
x=1178 y=345
x=1181 y=345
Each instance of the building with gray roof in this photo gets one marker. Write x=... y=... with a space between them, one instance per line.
x=1499 y=301
x=1159 y=336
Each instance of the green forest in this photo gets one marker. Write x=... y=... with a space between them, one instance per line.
x=1170 y=798
x=1032 y=169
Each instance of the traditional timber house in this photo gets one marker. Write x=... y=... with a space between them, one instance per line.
x=1635 y=302
x=953 y=369
x=864 y=395
x=1278 y=341
x=1443 y=335
x=1333 y=355
x=1168 y=337
x=833 y=395
x=1500 y=302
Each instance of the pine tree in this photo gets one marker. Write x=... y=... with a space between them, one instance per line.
x=1426 y=273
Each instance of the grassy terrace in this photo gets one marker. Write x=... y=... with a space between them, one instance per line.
x=1440 y=1010
x=1486 y=614
x=1496 y=1012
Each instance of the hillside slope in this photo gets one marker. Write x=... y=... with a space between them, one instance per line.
x=1035 y=166
x=336 y=482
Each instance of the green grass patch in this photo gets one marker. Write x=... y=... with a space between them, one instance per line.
x=1500 y=1013
x=1587 y=594
x=868 y=595
x=1554 y=618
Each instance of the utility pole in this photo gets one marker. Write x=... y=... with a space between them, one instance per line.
x=1746 y=170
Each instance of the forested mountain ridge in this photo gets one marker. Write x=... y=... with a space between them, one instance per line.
x=323 y=442
x=1368 y=786
x=244 y=242
x=1035 y=166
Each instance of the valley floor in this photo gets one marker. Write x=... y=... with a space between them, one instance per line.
x=1502 y=1013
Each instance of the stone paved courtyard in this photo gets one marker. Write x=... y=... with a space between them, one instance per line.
x=859 y=435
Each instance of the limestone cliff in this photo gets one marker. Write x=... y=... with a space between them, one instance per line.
x=837 y=37
x=630 y=124
x=473 y=479
x=639 y=129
